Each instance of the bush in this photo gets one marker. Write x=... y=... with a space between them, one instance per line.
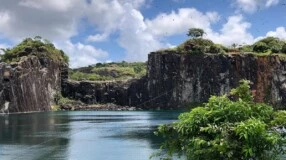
x=269 y=43
x=35 y=46
x=196 y=46
x=109 y=71
x=283 y=50
x=226 y=129
x=216 y=48
x=246 y=48
x=260 y=47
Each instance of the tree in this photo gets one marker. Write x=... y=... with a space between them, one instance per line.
x=226 y=129
x=196 y=32
x=37 y=37
x=260 y=47
x=234 y=45
x=283 y=50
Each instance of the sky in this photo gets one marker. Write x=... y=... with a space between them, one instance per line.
x=92 y=31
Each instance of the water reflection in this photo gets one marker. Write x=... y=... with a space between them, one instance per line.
x=81 y=135
x=32 y=136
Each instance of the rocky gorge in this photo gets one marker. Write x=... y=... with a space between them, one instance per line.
x=176 y=79
x=173 y=79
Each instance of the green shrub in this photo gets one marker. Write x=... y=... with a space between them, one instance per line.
x=37 y=46
x=216 y=48
x=246 y=48
x=260 y=47
x=283 y=50
x=109 y=71
x=226 y=129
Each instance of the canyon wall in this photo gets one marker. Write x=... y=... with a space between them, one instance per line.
x=194 y=78
x=29 y=85
x=175 y=79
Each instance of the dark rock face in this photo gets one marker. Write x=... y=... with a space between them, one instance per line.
x=175 y=79
x=124 y=93
x=29 y=85
x=191 y=78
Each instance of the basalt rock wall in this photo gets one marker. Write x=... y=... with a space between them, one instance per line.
x=174 y=79
x=125 y=93
x=194 y=78
x=29 y=85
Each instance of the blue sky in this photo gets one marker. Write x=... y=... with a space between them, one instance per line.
x=92 y=31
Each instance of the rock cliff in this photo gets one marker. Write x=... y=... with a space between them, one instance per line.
x=29 y=85
x=194 y=78
x=174 y=79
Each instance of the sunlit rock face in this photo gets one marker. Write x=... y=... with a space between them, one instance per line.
x=29 y=85
x=176 y=79
x=184 y=78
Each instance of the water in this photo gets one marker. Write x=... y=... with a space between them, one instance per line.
x=81 y=135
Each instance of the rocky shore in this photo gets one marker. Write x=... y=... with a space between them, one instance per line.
x=97 y=107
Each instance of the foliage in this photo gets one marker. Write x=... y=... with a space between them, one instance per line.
x=272 y=44
x=280 y=119
x=196 y=46
x=246 y=48
x=34 y=46
x=283 y=50
x=109 y=71
x=226 y=129
x=60 y=100
x=260 y=47
x=196 y=32
x=216 y=48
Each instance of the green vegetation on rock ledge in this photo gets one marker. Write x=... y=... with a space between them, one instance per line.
x=198 y=45
x=109 y=71
x=34 y=46
x=227 y=128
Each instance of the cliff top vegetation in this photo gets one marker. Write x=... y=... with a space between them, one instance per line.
x=198 y=45
x=34 y=46
x=109 y=71
x=227 y=128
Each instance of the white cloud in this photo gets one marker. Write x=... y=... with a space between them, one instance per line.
x=251 y=6
x=81 y=54
x=105 y=15
x=49 y=19
x=50 y=5
x=179 y=22
x=280 y=32
x=235 y=30
x=134 y=36
x=97 y=37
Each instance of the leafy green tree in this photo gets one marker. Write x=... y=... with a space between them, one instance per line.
x=260 y=47
x=196 y=32
x=226 y=129
x=269 y=43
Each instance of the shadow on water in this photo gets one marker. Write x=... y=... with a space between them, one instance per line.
x=22 y=134
x=146 y=130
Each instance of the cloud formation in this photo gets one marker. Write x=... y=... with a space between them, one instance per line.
x=122 y=20
x=251 y=6
x=81 y=54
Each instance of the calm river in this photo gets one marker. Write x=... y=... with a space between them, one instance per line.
x=81 y=135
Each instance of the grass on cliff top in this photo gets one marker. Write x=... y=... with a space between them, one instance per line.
x=109 y=71
x=199 y=46
x=34 y=46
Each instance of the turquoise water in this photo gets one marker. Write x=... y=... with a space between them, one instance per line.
x=81 y=135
